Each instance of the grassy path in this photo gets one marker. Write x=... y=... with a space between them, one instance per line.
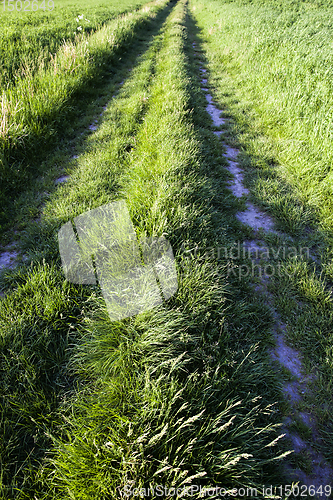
x=183 y=395
x=262 y=113
x=23 y=330
x=179 y=413
x=40 y=110
x=154 y=399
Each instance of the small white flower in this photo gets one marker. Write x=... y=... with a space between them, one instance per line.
x=79 y=28
x=80 y=17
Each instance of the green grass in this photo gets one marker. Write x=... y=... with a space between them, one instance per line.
x=29 y=40
x=38 y=111
x=181 y=394
x=185 y=393
x=276 y=59
x=269 y=68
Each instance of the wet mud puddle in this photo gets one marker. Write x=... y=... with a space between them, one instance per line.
x=8 y=255
x=283 y=355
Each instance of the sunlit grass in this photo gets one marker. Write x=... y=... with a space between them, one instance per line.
x=43 y=101
x=30 y=40
x=270 y=68
x=178 y=395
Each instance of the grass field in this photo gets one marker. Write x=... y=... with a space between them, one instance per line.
x=184 y=394
x=53 y=70
x=270 y=65
x=30 y=39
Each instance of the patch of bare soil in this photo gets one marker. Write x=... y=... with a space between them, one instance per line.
x=8 y=259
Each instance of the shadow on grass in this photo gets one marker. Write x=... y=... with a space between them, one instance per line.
x=305 y=300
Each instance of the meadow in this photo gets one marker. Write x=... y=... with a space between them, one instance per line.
x=184 y=394
x=30 y=39
x=270 y=66
x=47 y=63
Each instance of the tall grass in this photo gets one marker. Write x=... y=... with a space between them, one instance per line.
x=160 y=405
x=39 y=104
x=37 y=325
x=277 y=58
x=181 y=394
x=27 y=40
x=270 y=69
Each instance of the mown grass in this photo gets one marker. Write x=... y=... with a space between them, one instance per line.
x=269 y=66
x=182 y=394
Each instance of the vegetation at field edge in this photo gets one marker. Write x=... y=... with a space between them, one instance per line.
x=182 y=394
x=38 y=108
x=270 y=69
x=30 y=40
